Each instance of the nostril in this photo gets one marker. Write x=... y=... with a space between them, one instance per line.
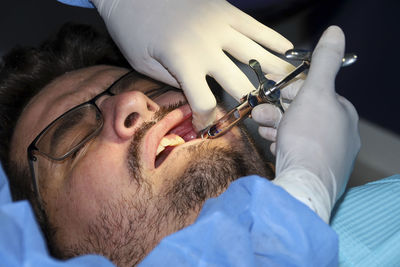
x=131 y=119
x=150 y=107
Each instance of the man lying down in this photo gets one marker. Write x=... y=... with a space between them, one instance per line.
x=111 y=164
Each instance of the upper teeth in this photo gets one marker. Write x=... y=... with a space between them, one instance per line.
x=169 y=140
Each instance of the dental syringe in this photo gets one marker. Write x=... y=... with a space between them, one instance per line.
x=267 y=92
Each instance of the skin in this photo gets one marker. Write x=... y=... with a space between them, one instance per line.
x=84 y=194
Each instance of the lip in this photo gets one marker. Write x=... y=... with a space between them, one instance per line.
x=153 y=137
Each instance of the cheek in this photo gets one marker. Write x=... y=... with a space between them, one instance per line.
x=177 y=163
x=98 y=179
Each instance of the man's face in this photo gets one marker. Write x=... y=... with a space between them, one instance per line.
x=115 y=197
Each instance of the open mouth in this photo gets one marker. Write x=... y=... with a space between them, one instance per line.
x=172 y=131
x=180 y=134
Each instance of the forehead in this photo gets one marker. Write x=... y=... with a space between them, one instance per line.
x=59 y=96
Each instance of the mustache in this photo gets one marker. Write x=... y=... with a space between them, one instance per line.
x=164 y=110
x=133 y=157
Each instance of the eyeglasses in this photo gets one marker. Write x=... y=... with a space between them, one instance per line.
x=73 y=129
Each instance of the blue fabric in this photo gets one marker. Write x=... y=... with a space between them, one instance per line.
x=21 y=241
x=253 y=223
x=367 y=221
x=81 y=3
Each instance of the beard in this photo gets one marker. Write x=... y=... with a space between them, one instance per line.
x=127 y=230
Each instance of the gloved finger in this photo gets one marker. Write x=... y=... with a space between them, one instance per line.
x=290 y=91
x=230 y=77
x=201 y=101
x=259 y=32
x=278 y=77
x=326 y=60
x=272 y=147
x=268 y=133
x=158 y=72
x=267 y=115
x=274 y=77
x=191 y=79
x=244 y=49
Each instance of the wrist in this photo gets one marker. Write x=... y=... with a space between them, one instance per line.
x=313 y=160
x=306 y=187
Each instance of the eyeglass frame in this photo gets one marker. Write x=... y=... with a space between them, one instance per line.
x=33 y=145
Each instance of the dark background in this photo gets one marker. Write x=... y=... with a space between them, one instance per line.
x=372 y=32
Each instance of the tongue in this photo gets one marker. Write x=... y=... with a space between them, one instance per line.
x=185 y=130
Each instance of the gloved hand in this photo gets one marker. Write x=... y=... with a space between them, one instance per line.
x=269 y=116
x=317 y=138
x=179 y=42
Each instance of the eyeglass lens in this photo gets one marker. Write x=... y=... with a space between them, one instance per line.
x=81 y=123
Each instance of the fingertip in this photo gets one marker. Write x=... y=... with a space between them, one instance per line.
x=279 y=67
x=283 y=46
x=332 y=39
x=333 y=32
x=201 y=120
x=267 y=133
x=201 y=101
x=273 y=148
x=327 y=57
x=273 y=40
x=274 y=77
x=266 y=115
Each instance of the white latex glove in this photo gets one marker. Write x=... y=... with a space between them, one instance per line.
x=318 y=139
x=179 y=42
x=269 y=116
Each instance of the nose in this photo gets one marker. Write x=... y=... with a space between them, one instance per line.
x=125 y=112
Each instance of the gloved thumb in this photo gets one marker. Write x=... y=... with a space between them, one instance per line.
x=326 y=59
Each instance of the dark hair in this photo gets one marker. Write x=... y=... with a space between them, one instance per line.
x=24 y=71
